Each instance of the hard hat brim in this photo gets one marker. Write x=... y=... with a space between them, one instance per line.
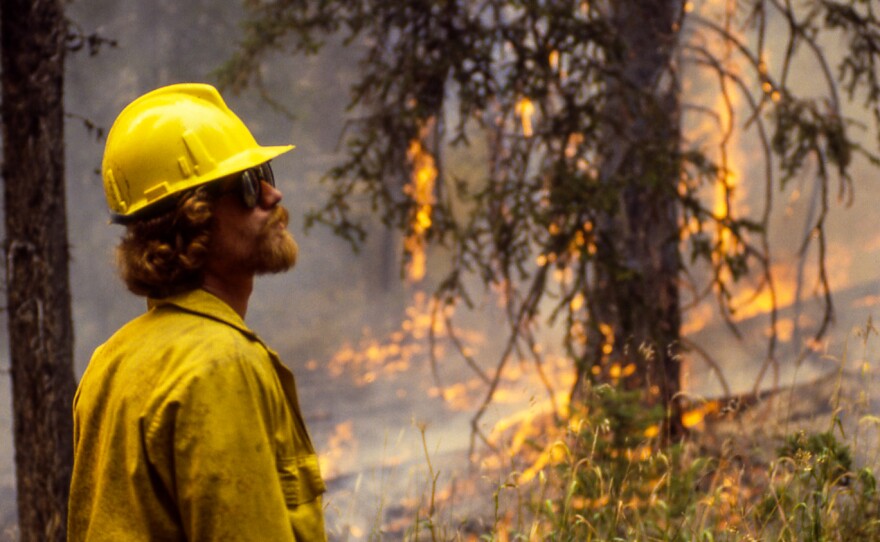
x=235 y=164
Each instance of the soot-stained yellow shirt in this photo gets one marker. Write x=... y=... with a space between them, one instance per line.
x=187 y=427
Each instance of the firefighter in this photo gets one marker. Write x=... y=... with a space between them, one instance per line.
x=186 y=424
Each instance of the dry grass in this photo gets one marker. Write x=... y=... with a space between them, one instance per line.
x=795 y=464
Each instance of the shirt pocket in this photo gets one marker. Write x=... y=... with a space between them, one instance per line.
x=300 y=478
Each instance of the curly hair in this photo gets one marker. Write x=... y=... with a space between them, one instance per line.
x=165 y=255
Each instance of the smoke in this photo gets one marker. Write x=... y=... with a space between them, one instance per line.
x=370 y=433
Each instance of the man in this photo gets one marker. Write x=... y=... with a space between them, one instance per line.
x=186 y=425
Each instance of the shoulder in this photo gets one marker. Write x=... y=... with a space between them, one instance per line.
x=204 y=366
x=167 y=349
x=172 y=327
x=204 y=347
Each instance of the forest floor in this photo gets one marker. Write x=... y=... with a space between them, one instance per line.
x=748 y=429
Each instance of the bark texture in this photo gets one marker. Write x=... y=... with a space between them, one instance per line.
x=36 y=251
x=636 y=294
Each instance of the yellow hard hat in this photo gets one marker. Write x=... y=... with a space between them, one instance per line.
x=172 y=139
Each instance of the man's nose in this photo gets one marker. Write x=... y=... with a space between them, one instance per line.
x=270 y=196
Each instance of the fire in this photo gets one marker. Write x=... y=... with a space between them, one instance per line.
x=555 y=454
x=723 y=205
x=525 y=109
x=726 y=187
x=527 y=403
x=608 y=344
x=720 y=138
x=395 y=355
x=695 y=417
x=866 y=301
x=372 y=358
x=340 y=452
x=421 y=190
x=696 y=319
x=748 y=303
x=459 y=396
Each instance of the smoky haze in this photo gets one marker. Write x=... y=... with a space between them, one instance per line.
x=332 y=298
x=336 y=304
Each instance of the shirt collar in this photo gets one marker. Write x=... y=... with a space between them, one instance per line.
x=199 y=301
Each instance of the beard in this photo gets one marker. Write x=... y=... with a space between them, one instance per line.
x=276 y=250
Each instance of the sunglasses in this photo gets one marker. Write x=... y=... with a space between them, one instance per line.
x=249 y=184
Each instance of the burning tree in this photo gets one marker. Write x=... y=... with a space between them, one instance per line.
x=592 y=196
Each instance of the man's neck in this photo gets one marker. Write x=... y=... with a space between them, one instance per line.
x=235 y=291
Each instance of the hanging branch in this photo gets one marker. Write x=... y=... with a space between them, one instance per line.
x=473 y=63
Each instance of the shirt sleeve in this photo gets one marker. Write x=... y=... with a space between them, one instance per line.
x=218 y=436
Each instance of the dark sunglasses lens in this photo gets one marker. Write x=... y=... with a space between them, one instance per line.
x=252 y=183
x=268 y=175
x=250 y=188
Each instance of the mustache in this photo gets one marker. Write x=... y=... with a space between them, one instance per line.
x=279 y=214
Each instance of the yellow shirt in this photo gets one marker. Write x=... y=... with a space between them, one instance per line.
x=187 y=427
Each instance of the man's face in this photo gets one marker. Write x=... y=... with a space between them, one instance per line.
x=276 y=250
x=254 y=241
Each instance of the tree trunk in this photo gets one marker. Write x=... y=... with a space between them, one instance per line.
x=635 y=295
x=38 y=291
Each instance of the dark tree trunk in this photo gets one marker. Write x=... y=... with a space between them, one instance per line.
x=636 y=298
x=38 y=290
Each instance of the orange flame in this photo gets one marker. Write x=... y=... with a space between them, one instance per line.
x=392 y=356
x=524 y=110
x=694 y=417
x=421 y=190
x=340 y=451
